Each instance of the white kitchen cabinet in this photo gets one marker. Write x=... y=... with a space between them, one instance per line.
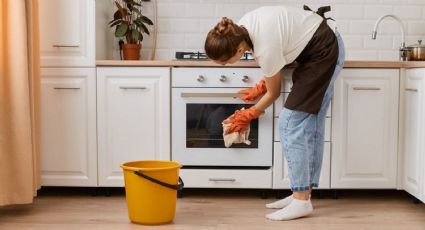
x=365 y=129
x=133 y=118
x=67 y=33
x=413 y=134
x=68 y=127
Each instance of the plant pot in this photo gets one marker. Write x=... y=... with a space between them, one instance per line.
x=132 y=51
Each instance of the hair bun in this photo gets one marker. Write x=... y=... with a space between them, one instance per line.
x=223 y=26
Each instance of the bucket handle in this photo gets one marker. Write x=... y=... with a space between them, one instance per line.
x=177 y=187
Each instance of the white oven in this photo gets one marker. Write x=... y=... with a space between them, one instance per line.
x=201 y=99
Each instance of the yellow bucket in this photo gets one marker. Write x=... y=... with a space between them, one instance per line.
x=151 y=191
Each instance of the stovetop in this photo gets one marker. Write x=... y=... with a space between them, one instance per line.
x=199 y=56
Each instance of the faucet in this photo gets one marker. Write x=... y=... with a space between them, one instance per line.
x=402 y=50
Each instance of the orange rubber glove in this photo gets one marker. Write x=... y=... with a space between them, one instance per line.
x=252 y=93
x=241 y=118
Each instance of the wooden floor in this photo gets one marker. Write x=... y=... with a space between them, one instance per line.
x=216 y=209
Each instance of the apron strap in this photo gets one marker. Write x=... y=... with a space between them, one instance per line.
x=321 y=11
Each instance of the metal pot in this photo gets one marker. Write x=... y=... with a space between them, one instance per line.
x=416 y=52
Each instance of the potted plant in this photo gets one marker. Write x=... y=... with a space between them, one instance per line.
x=129 y=22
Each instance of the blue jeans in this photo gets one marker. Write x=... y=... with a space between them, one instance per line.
x=302 y=136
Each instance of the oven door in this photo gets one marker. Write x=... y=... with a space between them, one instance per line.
x=197 y=133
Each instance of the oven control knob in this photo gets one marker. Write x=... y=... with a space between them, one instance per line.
x=245 y=78
x=223 y=78
x=200 y=78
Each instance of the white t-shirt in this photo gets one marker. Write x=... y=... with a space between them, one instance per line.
x=279 y=34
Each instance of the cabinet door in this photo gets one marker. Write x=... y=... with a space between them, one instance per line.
x=133 y=118
x=413 y=131
x=67 y=33
x=364 y=129
x=68 y=127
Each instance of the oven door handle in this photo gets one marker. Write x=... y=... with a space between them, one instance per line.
x=231 y=95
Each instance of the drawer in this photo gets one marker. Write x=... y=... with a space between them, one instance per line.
x=327 y=129
x=280 y=102
x=226 y=178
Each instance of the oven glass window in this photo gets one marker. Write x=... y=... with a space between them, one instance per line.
x=204 y=128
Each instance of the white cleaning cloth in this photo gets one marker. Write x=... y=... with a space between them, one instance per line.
x=235 y=137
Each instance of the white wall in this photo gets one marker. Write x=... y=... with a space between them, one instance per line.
x=183 y=24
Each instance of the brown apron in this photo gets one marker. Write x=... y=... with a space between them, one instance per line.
x=316 y=65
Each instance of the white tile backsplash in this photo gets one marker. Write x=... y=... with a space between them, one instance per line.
x=200 y=10
x=416 y=28
x=183 y=24
x=169 y=10
x=374 y=11
x=178 y=25
x=348 y=11
x=381 y=42
x=353 y=41
x=408 y=12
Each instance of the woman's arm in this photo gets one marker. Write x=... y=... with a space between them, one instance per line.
x=273 y=85
x=241 y=118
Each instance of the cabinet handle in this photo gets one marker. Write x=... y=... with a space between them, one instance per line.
x=66 y=46
x=133 y=87
x=66 y=88
x=410 y=89
x=366 y=88
x=223 y=179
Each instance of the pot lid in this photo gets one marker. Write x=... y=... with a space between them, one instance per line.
x=418 y=45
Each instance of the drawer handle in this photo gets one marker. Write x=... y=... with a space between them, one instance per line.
x=133 y=87
x=66 y=46
x=366 y=88
x=223 y=179
x=66 y=88
x=412 y=90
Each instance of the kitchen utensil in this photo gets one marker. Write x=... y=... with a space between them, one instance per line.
x=416 y=52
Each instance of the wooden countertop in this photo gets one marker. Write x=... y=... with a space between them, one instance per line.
x=253 y=64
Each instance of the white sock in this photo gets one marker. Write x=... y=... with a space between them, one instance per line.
x=296 y=209
x=280 y=203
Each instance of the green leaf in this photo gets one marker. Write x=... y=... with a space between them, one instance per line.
x=114 y=23
x=138 y=23
x=137 y=11
x=130 y=7
x=117 y=15
x=135 y=35
x=141 y=37
x=136 y=3
x=144 y=28
x=132 y=3
x=121 y=30
x=146 y=20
